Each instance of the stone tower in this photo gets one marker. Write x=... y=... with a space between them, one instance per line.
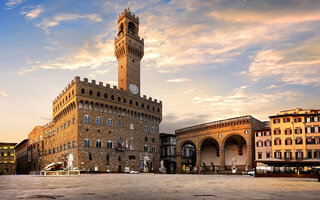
x=129 y=50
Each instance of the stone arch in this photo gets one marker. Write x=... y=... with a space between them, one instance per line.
x=188 y=152
x=209 y=153
x=236 y=146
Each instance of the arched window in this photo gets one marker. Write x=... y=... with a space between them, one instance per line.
x=145 y=129
x=145 y=148
x=112 y=97
x=83 y=90
x=108 y=159
x=119 y=124
x=131 y=27
x=86 y=142
x=90 y=92
x=73 y=144
x=69 y=145
x=120 y=29
x=98 y=94
x=119 y=99
x=98 y=143
x=101 y=108
x=124 y=100
x=98 y=120
x=105 y=95
x=152 y=130
x=40 y=138
x=87 y=119
x=90 y=156
x=109 y=145
x=146 y=139
x=109 y=122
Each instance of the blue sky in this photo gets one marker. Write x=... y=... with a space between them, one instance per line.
x=206 y=60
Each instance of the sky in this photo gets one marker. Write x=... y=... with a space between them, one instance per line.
x=205 y=59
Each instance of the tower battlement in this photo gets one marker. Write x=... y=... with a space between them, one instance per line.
x=127 y=13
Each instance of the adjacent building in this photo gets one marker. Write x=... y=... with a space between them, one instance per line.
x=168 y=152
x=21 y=157
x=7 y=166
x=100 y=127
x=296 y=134
x=217 y=144
x=263 y=142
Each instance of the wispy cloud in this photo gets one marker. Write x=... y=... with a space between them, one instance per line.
x=299 y=64
x=273 y=86
x=94 y=56
x=13 y=3
x=4 y=94
x=178 y=80
x=242 y=101
x=189 y=91
x=31 y=12
x=47 y=23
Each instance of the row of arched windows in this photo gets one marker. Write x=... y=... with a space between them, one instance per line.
x=60 y=148
x=117 y=111
x=98 y=144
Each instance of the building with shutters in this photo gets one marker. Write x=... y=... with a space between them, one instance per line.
x=263 y=142
x=296 y=134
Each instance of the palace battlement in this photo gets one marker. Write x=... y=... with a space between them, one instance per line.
x=93 y=83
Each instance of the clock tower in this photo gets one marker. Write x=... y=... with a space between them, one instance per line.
x=129 y=50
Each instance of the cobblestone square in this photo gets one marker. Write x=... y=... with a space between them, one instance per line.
x=157 y=186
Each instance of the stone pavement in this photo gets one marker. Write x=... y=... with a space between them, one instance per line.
x=157 y=186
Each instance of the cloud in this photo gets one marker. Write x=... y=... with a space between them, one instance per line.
x=274 y=16
x=47 y=23
x=189 y=91
x=13 y=3
x=273 y=86
x=178 y=80
x=243 y=101
x=172 y=122
x=4 y=94
x=88 y=57
x=298 y=64
x=31 y=12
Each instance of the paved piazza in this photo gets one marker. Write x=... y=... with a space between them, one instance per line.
x=149 y=186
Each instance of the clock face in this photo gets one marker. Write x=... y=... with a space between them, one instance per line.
x=133 y=89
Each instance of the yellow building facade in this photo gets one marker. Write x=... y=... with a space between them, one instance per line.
x=7 y=158
x=296 y=134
